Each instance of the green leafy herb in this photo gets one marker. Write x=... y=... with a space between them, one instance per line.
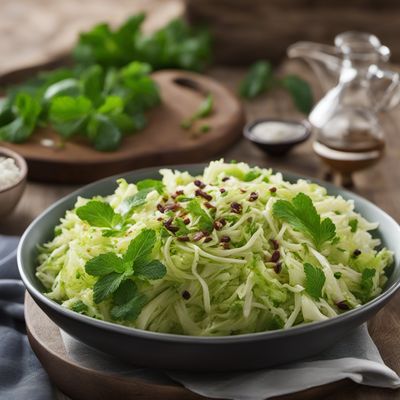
x=79 y=307
x=104 y=134
x=315 y=280
x=204 y=110
x=152 y=270
x=18 y=118
x=251 y=175
x=99 y=214
x=337 y=275
x=183 y=229
x=69 y=114
x=105 y=264
x=260 y=79
x=205 y=128
x=302 y=215
x=128 y=303
x=152 y=184
x=177 y=45
x=138 y=199
x=300 y=91
x=115 y=273
x=205 y=222
x=366 y=284
x=353 y=223
x=257 y=80
x=106 y=285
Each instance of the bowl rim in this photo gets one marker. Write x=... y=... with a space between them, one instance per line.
x=187 y=339
x=289 y=142
x=21 y=164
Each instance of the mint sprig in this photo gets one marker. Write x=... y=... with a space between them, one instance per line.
x=315 y=280
x=114 y=272
x=99 y=214
x=302 y=215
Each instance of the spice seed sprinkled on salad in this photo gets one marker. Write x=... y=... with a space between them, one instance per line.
x=235 y=250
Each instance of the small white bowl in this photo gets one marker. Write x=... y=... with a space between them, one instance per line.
x=11 y=195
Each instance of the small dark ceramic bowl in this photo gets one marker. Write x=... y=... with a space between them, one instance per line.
x=194 y=353
x=274 y=148
x=11 y=195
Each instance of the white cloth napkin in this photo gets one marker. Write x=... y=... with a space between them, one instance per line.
x=356 y=357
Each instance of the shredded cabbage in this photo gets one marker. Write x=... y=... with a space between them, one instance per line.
x=226 y=281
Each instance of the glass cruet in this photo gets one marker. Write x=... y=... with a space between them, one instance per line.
x=358 y=87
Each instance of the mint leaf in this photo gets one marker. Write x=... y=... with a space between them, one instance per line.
x=366 y=284
x=20 y=119
x=136 y=200
x=104 y=133
x=104 y=264
x=65 y=87
x=99 y=214
x=204 y=110
x=125 y=292
x=315 y=280
x=205 y=222
x=153 y=270
x=92 y=81
x=106 y=285
x=300 y=91
x=79 y=307
x=353 y=223
x=140 y=248
x=152 y=184
x=251 y=175
x=130 y=310
x=302 y=215
x=69 y=114
x=258 y=79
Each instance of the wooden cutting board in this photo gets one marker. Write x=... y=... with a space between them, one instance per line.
x=162 y=142
x=81 y=383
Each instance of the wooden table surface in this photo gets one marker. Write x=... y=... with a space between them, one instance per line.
x=379 y=184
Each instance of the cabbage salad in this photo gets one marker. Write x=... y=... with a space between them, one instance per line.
x=235 y=250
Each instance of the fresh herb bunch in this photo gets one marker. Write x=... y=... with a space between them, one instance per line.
x=101 y=105
x=105 y=95
x=260 y=79
x=177 y=45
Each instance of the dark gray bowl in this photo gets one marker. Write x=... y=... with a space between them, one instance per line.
x=228 y=353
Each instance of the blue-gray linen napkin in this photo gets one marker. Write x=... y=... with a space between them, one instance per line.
x=21 y=374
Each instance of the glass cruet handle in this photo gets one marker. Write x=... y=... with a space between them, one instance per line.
x=391 y=96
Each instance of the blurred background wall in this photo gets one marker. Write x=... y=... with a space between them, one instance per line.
x=243 y=30
x=246 y=30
